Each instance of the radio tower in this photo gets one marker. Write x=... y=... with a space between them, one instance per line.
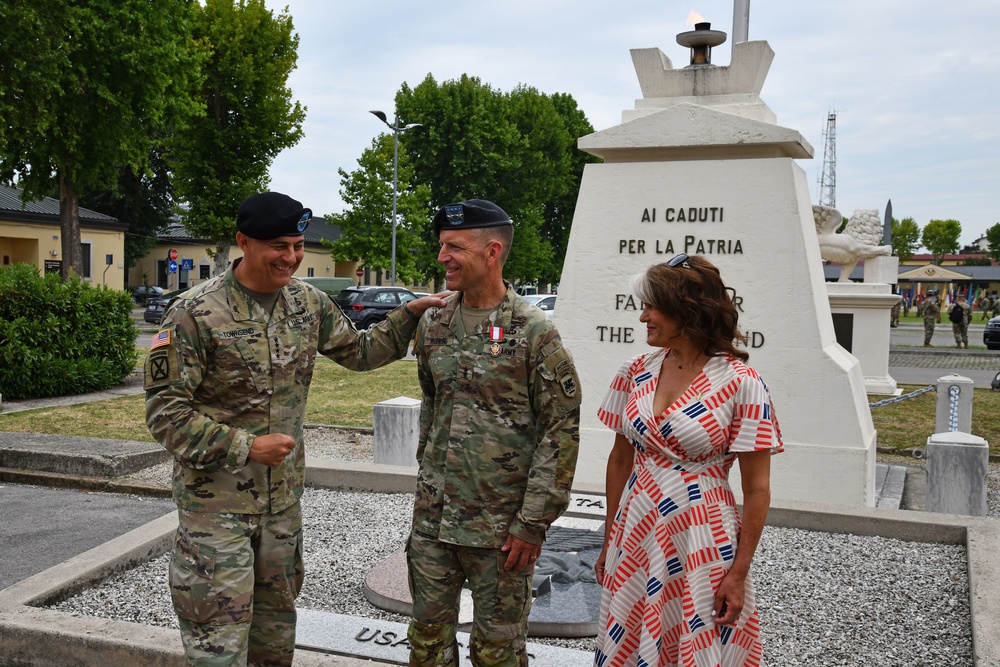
x=828 y=178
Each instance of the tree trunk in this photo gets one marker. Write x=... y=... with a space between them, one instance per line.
x=221 y=257
x=69 y=221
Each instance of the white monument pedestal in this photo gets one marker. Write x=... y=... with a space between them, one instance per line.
x=861 y=313
x=700 y=167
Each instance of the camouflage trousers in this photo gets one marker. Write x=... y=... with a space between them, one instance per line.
x=233 y=580
x=961 y=332
x=928 y=331
x=501 y=602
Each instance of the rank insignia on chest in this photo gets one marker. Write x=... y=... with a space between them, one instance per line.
x=496 y=333
x=495 y=349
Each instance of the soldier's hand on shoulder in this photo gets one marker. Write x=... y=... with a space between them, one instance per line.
x=418 y=306
x=271 y=449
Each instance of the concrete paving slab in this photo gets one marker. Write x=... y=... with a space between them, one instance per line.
x=44 y=526
x=74 y=455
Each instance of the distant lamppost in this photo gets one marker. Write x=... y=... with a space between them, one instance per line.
x=396 y=129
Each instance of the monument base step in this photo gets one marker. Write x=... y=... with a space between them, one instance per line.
x=385 y=641
x=74 y=455
x=890 y=481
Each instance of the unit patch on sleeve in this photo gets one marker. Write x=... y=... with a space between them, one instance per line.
x=161 y=368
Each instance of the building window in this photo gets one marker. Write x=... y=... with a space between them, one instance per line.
x=85 y=254
x=310 y=272
x=204 y=272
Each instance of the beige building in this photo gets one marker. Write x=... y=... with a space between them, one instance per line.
x=195 y=264
x=30 y=234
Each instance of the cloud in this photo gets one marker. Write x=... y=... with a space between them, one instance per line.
x=913 y=82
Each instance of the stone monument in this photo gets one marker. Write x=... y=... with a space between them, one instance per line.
x=700 y=166
x=861 y=311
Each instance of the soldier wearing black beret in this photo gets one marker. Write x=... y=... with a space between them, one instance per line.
x=227 y=381
x=471 y=214
x=499 y=433
x=271 y=214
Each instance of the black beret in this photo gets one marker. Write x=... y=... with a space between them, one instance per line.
x=470 y=214
x=271 y=214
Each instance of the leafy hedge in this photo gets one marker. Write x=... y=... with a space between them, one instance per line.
x=59 y=338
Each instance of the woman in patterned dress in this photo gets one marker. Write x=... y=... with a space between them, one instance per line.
x=676 y=561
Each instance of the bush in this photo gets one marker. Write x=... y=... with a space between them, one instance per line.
x=59 y=338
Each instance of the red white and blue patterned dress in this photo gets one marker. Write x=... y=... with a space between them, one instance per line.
x=677 y=527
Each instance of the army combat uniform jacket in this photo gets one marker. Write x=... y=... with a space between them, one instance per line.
x=221 y=372
x=499 y=425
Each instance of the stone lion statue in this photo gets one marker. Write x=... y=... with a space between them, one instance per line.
x=859 y=240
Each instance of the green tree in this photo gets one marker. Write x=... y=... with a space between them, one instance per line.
x=941 y=237
x=559 y=210
x=516 y=149
x=83 y=86
x=249 y=116
x=993 y=238
x=366 y=225
x=142 y=200
x=905 y=238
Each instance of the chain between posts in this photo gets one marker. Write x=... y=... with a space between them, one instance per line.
x=904 y=397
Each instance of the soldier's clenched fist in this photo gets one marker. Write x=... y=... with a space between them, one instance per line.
x=271 y=449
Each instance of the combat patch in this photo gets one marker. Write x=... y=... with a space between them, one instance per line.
x=161 y=368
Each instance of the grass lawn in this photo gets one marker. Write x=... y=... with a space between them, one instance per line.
x=342 y=397
x=908 y=424
x=337 y=396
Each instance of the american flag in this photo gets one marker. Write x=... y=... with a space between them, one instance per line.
x=160 y=339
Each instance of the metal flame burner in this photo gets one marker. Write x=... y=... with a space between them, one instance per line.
x=700 y=41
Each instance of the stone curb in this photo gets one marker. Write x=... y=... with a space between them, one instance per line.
x=30 y=636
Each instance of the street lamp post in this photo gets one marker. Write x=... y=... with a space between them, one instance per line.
x=396 y=129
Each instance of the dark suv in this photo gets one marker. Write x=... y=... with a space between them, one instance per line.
x=991 y=334
x=369 y=305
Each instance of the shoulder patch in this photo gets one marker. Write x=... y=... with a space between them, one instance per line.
x=160 y=339
x=161 y=368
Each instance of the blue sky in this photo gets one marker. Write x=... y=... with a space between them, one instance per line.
x=915 y=83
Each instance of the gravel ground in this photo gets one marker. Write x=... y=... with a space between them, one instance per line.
x=825 y=599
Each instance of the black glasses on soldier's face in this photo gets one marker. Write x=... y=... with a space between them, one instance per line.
x=679 y=260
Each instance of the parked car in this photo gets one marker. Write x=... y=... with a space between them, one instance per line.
x=545 y=302
x=332 y=285
x=991 y=334
x=368 y=305
x=157 y=304
x=141 y=293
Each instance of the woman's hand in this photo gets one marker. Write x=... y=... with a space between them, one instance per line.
x=599 y=565
x=729 y=599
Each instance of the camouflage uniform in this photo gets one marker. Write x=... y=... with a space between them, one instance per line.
x=220 y=373
x=931 y=311
x=961 y=329
x=894 y=313
x=499 y=432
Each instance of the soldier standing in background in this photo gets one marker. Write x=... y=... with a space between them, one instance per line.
x=932 y=314
x=226 y=384
x=960 y=316
x=894 y=313
x=499 y=432
x=987 y=305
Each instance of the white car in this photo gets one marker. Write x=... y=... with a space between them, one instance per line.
x=546 y=302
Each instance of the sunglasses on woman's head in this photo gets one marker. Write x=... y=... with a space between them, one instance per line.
x=679 y=260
